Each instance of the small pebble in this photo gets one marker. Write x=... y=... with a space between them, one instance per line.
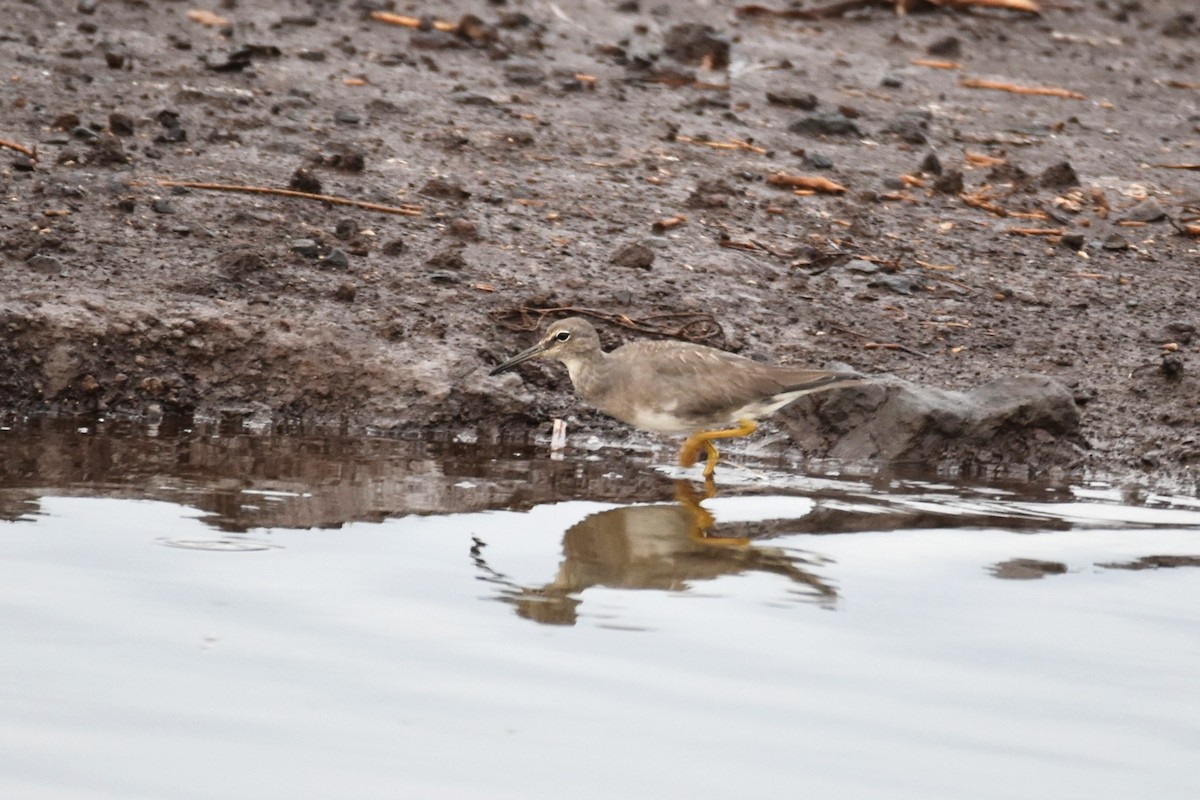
x=305 y=247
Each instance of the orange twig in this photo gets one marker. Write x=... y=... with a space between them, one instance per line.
x=406 y=210
x=207 y=18
x=1176 y=166
x=412 y=22
x=981 y=160
x=1036 y=231
x=979 y=201
x=1028 y=6
x=810 y=182
x=732 y=144
x=936 y=63
x=1002 y=86
x=20 y=148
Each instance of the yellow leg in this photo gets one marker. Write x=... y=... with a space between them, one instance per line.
x=703 y=439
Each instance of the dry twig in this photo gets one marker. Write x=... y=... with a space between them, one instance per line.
x=405 y=210
x=1036 y=231
x=982 y=160
x=20 y=148
x=871 y=343
x=936 y=63
x=208 y=19
x=812 y=182
x=412 y=22
x=731 y=144
x=1003 y=86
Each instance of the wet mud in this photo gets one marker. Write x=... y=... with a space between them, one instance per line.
x=843 y=191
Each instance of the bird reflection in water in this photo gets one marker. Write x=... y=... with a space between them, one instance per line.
x=668 y=547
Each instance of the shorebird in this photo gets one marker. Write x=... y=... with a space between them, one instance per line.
x=673 y=387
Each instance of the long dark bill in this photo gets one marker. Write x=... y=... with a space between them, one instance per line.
x=519 y=358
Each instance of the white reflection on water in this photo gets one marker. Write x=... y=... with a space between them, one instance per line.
x=373 y=661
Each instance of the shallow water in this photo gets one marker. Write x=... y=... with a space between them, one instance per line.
x=199 y=614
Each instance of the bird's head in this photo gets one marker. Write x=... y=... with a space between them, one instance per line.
x=567 y=340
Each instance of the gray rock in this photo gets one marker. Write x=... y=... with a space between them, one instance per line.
x=896 y=420
x=805 y=101
x=634 y=255
x=337 y=258
x=1149 y=210
x=47 y=265
x=900 y=284
x=825 y=125
x=306 y=247
x=859 y=265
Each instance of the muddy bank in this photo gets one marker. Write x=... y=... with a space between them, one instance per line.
x=587 y=157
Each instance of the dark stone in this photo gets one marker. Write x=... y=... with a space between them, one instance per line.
x=121 y=124
x=1059 y=176
x=1073 y=241
x=463 y=229
x=1115 y=241
x=1181 y=26
x=336 y=258
x=447 y=259
x=1008 y=173
x=347 y=116
x=830 y=124
x=947 y=47
x=444 y=276
x=305 y=247
x=471 y=99
x=441 y=189
x=525 y=74
x=1172 y=365
x=696 y=43
x=634 y=255
x=346 y=228
x=304 y=181
x=910 y=126
x=161 y=205
x=805 y=101
x=84 y=132
x=348 y=160
x=345 y=292
x=860 y=265
x=900 y=284
x=931 y=164
x=949 y=183
x=891 y=82
x=86 y=6
x=314 y=56
x=394 y=247
x=818 y=161
x=115 y=59
x=237 y=60
x=1180 y=331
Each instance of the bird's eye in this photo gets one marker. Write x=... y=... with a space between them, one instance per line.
x=562 y=336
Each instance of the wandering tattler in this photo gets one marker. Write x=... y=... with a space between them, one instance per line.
x=676 y=387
